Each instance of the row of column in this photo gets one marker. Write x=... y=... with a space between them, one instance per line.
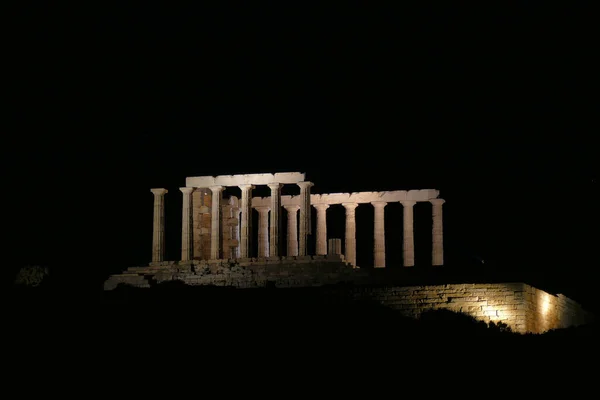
x=268 y=243
x=270 y=247
x=408 y=246
x=408 y=243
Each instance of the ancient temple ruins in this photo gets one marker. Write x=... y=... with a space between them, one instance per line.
x=215 y=226
x=218 y=249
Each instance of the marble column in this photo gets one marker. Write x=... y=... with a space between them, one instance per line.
x=215 y=235
x=263 y=231
x=321 y=228
x=334 y=246
x=158 y=231
x=408 y=244
x=235 y=232
x=292 y=230
x=225 y=231
x=437 y=248
x=246 y=222
x=187 y=228
x=274 y=228
x=379 y=234
x=305 y=228
x=350 y=240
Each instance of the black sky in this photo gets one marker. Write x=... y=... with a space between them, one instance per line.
x=496 y=106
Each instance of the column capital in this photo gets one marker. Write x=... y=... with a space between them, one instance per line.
x=437 y=202
x=187 y=190
x=407 y=203
x=247 y=186
x=305 y=184
x=350 y=206
x=216 y=188
x=275 y=185
x=292 y=208
x=321 y=206
x=379 y=204
x=159 y=191
x=262 y=208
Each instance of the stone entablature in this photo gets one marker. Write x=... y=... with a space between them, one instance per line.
x=244 y=179
x=357 y=197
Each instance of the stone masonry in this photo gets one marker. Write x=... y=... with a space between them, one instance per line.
x=522 y=307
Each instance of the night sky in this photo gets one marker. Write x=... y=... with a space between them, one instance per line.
x=496 y=106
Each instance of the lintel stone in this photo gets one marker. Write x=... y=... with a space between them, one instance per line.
x=252 y=179
x=358 y=197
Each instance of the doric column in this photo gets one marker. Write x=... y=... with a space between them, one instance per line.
x=263 y=231
x=408 y=245
x=334 y=246
x=158 y=231
x=225 y=231
x=292 y=230
x=274 y=230
x=215 y=235
x=379 y=234
x=350 y=241
x=305 y=228
x=235 y=232
x=321 y=228
x=437 y=248
x=246 y=221
x=187 y=244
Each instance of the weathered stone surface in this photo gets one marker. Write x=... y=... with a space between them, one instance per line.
x=358 y=197
x=158 y=235
x=244 y=179
x=495 y=302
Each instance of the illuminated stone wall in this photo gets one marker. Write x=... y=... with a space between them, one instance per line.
x=522 y=307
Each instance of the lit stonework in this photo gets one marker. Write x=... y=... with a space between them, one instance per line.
x=379 y=234
x=437 y=254
x=246 y=221
x=215 y=222
x=305 y=228
x=350 y=237
x=187 y=244
x=235 y=229
x=158 y=233
x=275 y=221
x=218 y=227
x=408 y=245
x=263 y=231
x=217 y=250
x=292 y=232
x=321 y=228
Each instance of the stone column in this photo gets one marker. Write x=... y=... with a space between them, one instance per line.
x=246 y=222
x=292 y=230
x=235 y=232
x=225 y=231
x=334 y=246
x=321 y=228
x=408 y=245
x=437 y=248
x=215 y=235
x=274 y=229
x=305 y=228
x=187 y=244
x=350 y=241
x=263 y=231
x=158 y=232
x=379 y=234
